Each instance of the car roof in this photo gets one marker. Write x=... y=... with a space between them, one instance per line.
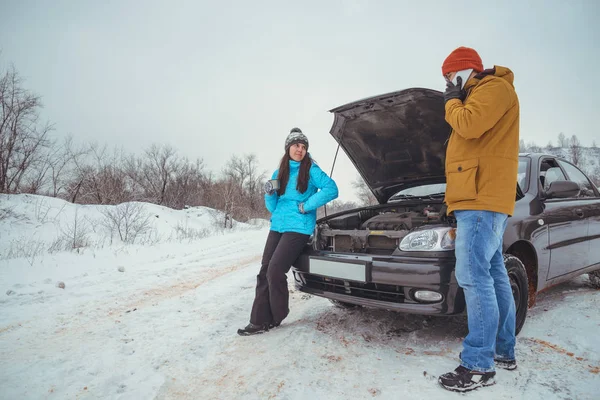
x=539 y=155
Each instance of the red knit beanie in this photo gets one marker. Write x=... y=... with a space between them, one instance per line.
x=462 y=58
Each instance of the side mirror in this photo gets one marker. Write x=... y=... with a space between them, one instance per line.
x=563 y=189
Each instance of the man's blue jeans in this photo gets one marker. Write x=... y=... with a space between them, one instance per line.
x=480 y=271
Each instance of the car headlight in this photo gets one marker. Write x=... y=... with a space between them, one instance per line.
x=435 y=239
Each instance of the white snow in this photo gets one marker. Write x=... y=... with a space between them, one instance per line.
x=158 y=320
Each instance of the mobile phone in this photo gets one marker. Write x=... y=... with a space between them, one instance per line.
x=464 y=75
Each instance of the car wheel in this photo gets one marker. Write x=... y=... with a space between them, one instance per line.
x=520 y=288
x=595 y=278
x=343 y=304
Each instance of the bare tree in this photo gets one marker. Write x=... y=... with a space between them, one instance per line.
x=575 y=150
x=254 y=184
x=188 y=186
x=128 y=220
x=207 y=184
x=231 y=189
x=22 y=137
x=364 y=194
x=51 y=172
x=595 y=176
x=161 y=177
x=99 y=178
x=62 y=161
x=533 y=148
x=594 y=145
x=236 y=170
x=562 y=140
x=242 y=174
x=36 y=178
x=74 y=235
x=154 y=172
x=230 y=199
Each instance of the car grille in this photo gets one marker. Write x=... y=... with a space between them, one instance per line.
x=374 y=291
x=375 y=244
x=343 y=243
x=383 y=243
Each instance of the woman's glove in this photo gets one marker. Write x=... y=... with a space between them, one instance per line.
x=301 y=208
x=271 y=186
x=269 y=189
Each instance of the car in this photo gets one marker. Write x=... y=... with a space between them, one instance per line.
x=399 y=254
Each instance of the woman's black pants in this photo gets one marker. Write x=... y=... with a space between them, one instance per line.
x=271 y=304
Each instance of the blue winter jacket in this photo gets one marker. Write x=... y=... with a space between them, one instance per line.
x=285 y=215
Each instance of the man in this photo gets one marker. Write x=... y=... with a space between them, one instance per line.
x=481 y=171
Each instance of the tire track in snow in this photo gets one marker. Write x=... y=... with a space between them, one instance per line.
x=125 y=339
x=224 y=305
x=198 y=267
x=543 y=345
x=151 y=297
x=180 y=288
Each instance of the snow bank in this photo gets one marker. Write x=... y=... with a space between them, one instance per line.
x=32 y=225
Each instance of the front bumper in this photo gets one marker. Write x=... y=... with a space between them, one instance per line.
x=391 y=282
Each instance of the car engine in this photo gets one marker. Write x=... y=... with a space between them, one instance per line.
x=375 y=231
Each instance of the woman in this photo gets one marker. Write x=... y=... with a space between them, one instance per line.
x=303 y=187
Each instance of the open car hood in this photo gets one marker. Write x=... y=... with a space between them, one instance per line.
x=395 y=140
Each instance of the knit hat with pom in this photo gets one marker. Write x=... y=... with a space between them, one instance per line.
x=296 y=136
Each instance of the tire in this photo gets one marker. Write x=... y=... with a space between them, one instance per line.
x=343 y=304
x=595 y=278
x=520 y=288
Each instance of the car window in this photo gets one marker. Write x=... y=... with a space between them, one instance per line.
x=552 y=174
x=576 y=175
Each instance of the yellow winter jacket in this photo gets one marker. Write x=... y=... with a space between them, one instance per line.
x=482 y=158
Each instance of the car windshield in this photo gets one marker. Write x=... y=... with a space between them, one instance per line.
x=430 y=190
x=439 y=189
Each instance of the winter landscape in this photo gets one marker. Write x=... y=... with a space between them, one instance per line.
x=158 y=320
x=135 y=140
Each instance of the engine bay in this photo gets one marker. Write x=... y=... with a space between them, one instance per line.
x=376 y=230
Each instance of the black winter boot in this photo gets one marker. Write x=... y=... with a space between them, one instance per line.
x=464 y=380
x=510 y=365
x=252 y=329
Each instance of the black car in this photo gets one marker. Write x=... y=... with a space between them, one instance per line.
x=399 y=254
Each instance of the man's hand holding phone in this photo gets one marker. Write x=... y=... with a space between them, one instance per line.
x=454 y=91
x=454 y=88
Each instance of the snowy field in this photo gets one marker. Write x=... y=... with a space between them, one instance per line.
x=154 y=316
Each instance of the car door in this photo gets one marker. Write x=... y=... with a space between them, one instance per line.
x=590 y=206
x=567 y=225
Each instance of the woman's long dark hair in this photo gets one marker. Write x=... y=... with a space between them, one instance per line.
x=303 y=174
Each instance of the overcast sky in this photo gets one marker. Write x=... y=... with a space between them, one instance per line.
x=216 y=78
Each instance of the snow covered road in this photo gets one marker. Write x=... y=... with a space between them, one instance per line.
x=165 y=328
